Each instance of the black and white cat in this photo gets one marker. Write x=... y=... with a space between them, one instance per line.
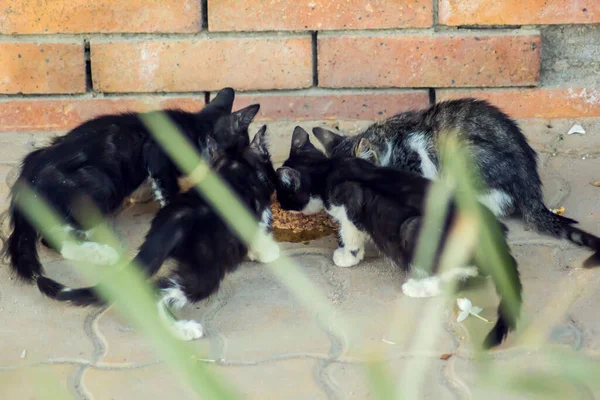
x=385 y=205
x=189 y=231
x=507 y=164
x=105 y=160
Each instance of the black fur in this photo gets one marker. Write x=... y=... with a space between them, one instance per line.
x=106 y=159
x=385 y=203
x=499 y=149
x=189 y=231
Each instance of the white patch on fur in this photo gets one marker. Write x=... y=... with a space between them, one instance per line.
x=285 y=180
x=158 y=195
x=431 y=286
x=353 y=239
x=265 y=249
x=497 y=201
x=174 y=298
x=418 y=142
x=314 y=205
x=90 y=252
x=385 y=159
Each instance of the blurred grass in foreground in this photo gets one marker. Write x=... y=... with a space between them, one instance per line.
x=134 y=298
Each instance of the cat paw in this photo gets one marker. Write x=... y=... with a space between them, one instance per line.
x=187 y=330
x=421 y=288
x=265 y=253
x=343 y=258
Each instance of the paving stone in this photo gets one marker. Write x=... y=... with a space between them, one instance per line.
x=286 y=379
x=375 y=306
x=151 y=382
x=467 y=373
x=351 y=380
x=37 y=382
x=14 y=146
x=43 y=328
x=260 y=318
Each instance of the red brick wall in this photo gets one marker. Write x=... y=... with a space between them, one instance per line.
x=69 y=60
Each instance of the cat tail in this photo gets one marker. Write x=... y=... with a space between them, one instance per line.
x=22 y=247
x=545 y=221
x=507 y=317
x=161 y=241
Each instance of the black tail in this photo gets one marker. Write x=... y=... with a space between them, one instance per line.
x=507 y=316
x=558 y=226
x=22 y=248
x=157 y=247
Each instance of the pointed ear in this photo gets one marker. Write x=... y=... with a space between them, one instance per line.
x=299 y=138
x=212 y=150
x=289 y=178
x=244 y=117
x=328 y=139
x=259 y=143
x=366 y=151
x=221 y=104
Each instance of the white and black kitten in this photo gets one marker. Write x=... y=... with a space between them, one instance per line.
x=385 y=205
x=507 y=164
x=105 y=160
x=189 y=231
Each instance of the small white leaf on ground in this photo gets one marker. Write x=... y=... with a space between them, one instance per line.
x=576 y=129
x=387 y=341
x=467 y=308
x=24 y=354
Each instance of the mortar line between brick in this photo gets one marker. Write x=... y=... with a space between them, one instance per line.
x=205 y=34
x=435 y=8
x=294 y=92
x=204 y=11
x=315 y=58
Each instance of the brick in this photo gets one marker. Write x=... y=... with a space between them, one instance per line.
x=81 y=16
x=518 y=12
x=42 y=68
x=62 y=114
x=196 y=65
x=282 y=15
x=536 y=103
x=438 y=60
x=334 y=106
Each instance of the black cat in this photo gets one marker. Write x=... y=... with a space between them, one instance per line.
x=105 y=160
x=193 y=234
x=385 y=205
x=410 y=141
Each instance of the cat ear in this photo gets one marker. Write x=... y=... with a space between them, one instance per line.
x=224 y=100
x=301 y=141
x=221 y=105
x=289 y=178
x=259 y=143
x=366 y=151
x=244 y=117
x=328 y=139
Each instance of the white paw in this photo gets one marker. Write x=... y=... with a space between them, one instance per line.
x=265 y=252
x=90 y=252
x=421 y=288
x=344 y=258
x=187 y=330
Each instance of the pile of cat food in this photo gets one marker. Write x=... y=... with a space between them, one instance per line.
x=295 y=227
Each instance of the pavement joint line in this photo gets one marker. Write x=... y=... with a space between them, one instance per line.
x=90 y=327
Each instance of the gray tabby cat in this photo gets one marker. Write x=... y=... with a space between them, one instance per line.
x=506 y=163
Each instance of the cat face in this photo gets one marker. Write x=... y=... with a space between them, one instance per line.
x=258 y=157
x=296 y=189
x=231 y=130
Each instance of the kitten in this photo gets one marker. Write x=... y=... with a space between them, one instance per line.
x=194 y=235
x=106 y=159
x=385 y=205
x=507 y=164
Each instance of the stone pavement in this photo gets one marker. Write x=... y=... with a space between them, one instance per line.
x=270 y=347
